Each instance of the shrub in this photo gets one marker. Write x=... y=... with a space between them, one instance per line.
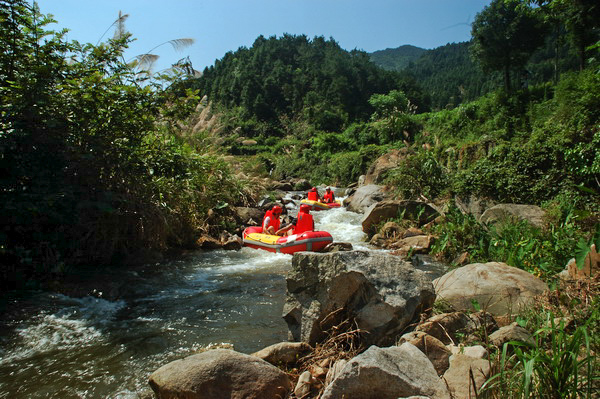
x=417 y=176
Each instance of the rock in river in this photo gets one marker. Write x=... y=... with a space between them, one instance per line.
x=382 y=292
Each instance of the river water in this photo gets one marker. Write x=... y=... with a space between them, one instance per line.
x=55 y=346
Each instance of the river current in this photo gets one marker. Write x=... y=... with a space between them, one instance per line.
x=55 y=346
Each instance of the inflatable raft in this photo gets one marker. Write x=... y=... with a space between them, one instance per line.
x=313 y=241
x=321 y=206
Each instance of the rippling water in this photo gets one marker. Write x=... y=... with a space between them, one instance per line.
x=54 y=346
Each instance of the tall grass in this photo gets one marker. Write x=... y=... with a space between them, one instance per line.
x=559 y=365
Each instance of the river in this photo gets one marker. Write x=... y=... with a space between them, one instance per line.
x=55 y=346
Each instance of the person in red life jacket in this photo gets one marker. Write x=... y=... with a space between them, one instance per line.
x=272 y=225
x=313 y=194
x=271 y=221
x=305 y=220
x=328 y=197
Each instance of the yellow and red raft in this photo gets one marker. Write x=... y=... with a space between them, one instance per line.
x=320 y=206
x=313 y=241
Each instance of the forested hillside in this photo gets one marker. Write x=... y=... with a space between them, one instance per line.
x=294 y=76
x=396 y=59
x=450 y=75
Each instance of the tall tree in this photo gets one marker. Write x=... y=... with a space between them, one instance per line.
x=581 y=18
x=583 y=23
x=505 y=34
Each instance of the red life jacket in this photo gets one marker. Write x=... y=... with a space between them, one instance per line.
x=273 y=221
x=305 y=223
x=328 y=197
x=313 y=195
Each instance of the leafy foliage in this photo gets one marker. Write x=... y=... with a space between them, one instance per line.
x=292 y=76
x=505 y=34
x=542 y=252
x=89 y=173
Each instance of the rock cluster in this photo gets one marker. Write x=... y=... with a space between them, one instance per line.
x=384 y=296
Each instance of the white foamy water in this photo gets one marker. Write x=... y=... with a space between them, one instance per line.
x=76 y=325
x=60 y=347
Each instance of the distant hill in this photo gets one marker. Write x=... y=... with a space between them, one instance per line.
x=446 y=73
x=294 y=75
x=450 y=77
x=396 y=59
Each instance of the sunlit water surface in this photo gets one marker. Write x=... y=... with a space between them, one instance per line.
x=54 y=346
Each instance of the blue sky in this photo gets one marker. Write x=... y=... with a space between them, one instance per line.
x=219 y=26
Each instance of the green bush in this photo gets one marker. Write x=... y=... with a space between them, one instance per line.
x=418 y=175
x=542 y=252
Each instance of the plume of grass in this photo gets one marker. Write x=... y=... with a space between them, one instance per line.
x=120 y=24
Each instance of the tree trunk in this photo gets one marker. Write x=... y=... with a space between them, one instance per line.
x=507 y=78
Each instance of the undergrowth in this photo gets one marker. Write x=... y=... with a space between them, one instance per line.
x=562 y=362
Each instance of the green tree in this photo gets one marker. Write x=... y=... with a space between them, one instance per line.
x=581 y=18
x=505 y=34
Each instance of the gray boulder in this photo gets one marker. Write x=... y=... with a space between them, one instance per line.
x=507 y=212
x=389 y=209
x=498 y=288
x=387 y=373
x=217 y=374
x=382 y=292
x=364 y=197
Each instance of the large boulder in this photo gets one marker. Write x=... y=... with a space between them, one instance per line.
x=217 y=374
x=507 y=212
x=377 y=213
x=382 y=292
x=282 y=186
x=364 y=197
x=302 y=185
x=498 y=288
x=388 y=161
x=387 y=373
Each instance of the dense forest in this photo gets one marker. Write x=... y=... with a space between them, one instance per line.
x=450 y=75
x=396 y=59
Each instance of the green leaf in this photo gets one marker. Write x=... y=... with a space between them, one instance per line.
x=581 y=252
x=476 y=305
x=222 y=205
